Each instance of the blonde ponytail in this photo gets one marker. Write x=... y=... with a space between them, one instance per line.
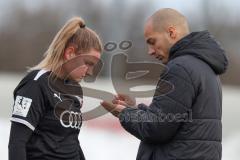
x=74 y=31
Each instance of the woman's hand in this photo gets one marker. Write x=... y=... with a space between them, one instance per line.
x=124 y=100
x=115 y=109
x=120 y=102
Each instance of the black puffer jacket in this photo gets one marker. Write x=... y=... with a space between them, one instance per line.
x=194 y=65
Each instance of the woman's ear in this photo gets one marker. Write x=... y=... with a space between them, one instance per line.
x=69 y=53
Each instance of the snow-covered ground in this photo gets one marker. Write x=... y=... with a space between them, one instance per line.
x=104 y=139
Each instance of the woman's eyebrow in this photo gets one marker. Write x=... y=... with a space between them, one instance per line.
x=89 y=62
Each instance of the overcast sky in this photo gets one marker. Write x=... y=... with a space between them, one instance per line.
x=193 y=9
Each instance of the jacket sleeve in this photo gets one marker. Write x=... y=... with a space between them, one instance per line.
x=159 y=122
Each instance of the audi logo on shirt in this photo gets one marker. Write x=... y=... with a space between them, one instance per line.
x=67 y=110
x=70 y=119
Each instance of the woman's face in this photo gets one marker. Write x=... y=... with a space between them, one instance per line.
x=81 y=65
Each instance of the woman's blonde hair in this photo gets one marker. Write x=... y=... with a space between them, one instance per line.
x=74 y=32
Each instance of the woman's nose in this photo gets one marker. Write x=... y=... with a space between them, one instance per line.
x=89 y=71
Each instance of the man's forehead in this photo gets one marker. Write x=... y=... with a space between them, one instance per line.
x=148 y=28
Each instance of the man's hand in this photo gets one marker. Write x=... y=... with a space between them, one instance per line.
x=115 y=109
x=124 y=100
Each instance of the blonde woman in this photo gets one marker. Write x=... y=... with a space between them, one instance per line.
x=46 y=117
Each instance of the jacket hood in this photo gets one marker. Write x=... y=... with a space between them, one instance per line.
x=203 y=46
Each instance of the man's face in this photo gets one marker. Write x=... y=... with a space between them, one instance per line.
x=158 y=43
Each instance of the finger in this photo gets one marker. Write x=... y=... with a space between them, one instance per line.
x=118 y=97
x=122 y=103
x=115 y=101
x=121 y=97
x=115 y=96
x=108 y=106
x=119 y=102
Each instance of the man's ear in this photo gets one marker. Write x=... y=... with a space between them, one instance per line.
x=69 y=53
x=172 y=32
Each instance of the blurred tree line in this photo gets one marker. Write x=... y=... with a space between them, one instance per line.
x=25 y=34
